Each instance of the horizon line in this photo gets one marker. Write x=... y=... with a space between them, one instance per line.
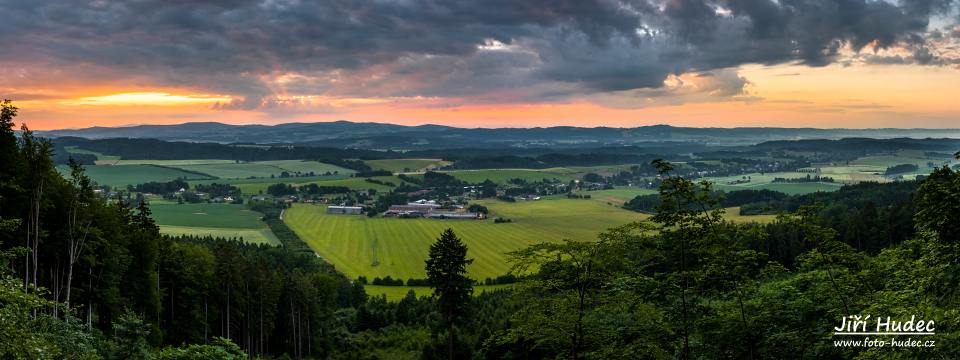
x=490 y=128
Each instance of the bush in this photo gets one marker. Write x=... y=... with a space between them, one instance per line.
x=219 y=348
x=387 y=281
x=477 y=208
x=418 y=282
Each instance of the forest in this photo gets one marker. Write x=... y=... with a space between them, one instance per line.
x=84 y=276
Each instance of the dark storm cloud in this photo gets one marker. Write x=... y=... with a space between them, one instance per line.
x=599 y=45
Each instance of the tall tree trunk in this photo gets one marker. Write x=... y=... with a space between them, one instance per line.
x=685 y=353
x=450 y=334
x=36 y=230
x=89 y=298
x=228 y=312
x=293 y=328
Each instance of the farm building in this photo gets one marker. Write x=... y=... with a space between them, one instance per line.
x=427 y=204
x=417 y=210
x=347 y=210
x=407 y=210
x=437 y=214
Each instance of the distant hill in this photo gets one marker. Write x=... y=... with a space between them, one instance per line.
x=344 y=134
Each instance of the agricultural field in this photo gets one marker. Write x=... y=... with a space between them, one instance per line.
x=872 y=168
x=377 y=247
x=218 y=220
x=619 y=195
x=374 y=247
x=120 y=173
x=605 y=170
x=786 y=188
x=235 y=171
x=733 y=214
x=263 y=169
x=123 y=175
x=765 y=181
x=501 y=176
x=306 y=166
x=406 y=165
x=102 y=159
x=173 y=162
x=256 y=186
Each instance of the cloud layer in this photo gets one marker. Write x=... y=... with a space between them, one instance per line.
x=272 y=53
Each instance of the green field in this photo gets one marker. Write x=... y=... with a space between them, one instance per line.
x=263 y=169
x=500 y=176
x=256 y=186
x=377 y=247
x=765 y=182
x=306 y=166
x=374 y=247
x=253 y=236
x=605 y=170
x=123 y=175
x=101 y=158
x=173 y=162
x=223 y=220
x=405 y=165
x=132 y=172
x=619 y=195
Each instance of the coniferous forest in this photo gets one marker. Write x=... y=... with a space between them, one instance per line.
x=87 y=276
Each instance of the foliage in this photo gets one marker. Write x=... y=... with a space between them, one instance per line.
x=447 y=271
x=901 y=169
x=219 y=348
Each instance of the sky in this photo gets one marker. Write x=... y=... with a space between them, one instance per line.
x=484 y=63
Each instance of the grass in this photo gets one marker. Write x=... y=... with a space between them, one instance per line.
x=252 y=236
x=605 y=170
x=132 y=172
x=123 y=175
x=733 y=214
x=224 y=220
x=173 y=163
x=262 y=169
x=765 y=182
x=619 y=195
x=401 y=244
x=500 y=176
x=377 y=247
x=306 y=166
x=786 y=188
x=235 y=171
x=101 y=157
x=255 y=186
x=406 y=165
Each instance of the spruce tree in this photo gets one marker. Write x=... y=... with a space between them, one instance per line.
x=447 y=272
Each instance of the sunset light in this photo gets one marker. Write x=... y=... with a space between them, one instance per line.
x=150 y=99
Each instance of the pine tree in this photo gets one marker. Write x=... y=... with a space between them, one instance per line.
x=447 y=272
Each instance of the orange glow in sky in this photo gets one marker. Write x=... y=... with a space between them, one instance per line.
x=859 y=96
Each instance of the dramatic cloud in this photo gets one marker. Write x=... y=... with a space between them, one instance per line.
x=274 y=53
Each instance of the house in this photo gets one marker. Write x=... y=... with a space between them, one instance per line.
x=345 y=210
